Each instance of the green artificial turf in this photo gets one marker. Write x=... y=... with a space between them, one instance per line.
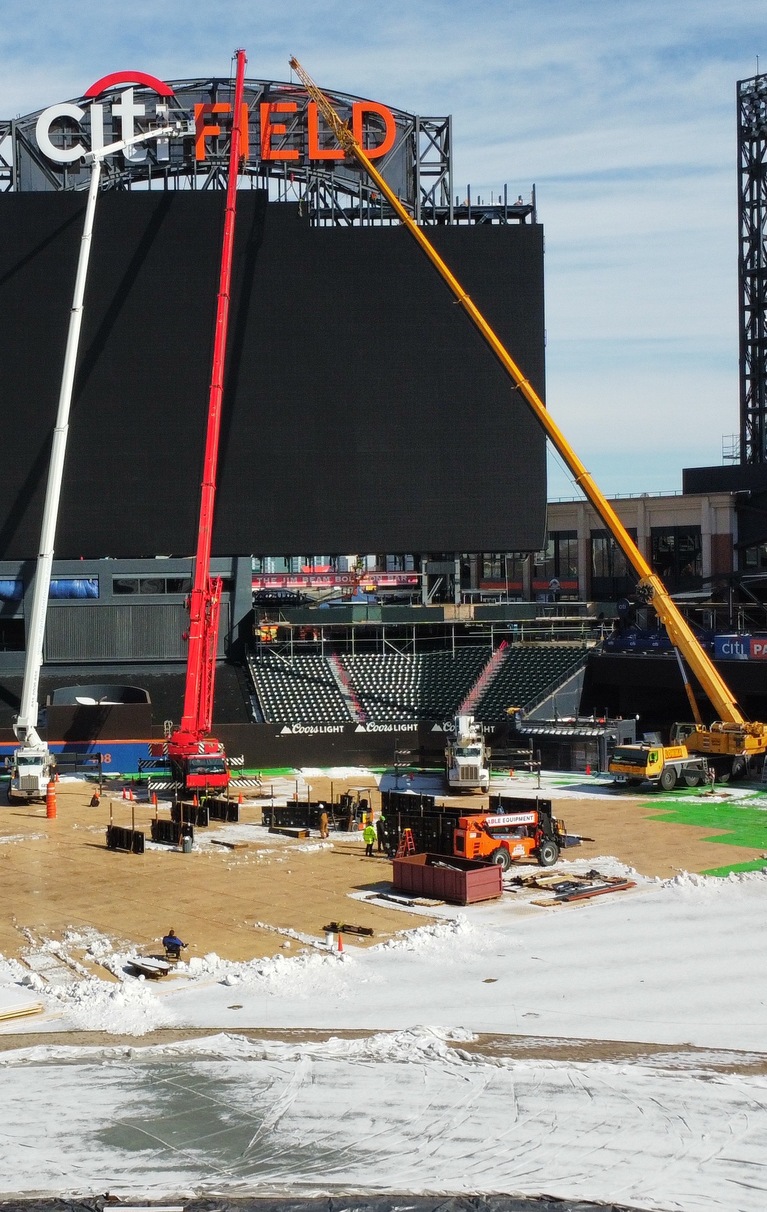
x=742 y=823
x=279 y=772
x=754 y=865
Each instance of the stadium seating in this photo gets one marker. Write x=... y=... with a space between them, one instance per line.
x=396 y=687
x=393 y=687
x=526 y=673
x=301 y=691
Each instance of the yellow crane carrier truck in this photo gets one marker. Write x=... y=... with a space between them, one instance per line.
x=661 y=765
x=730 y=743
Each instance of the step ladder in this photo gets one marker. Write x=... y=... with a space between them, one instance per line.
x=406 y=844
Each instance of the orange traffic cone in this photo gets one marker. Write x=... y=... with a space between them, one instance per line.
x=124 y=795
x=239 y=798
x=194 y=800
x=340 y=942
x=130 y=793
x=154 y=798
x=588 y=768
x=50 y=801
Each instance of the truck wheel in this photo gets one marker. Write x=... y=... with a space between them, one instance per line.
x=548 y=854
x=693 y=780
x=668 y=778
x=501 y=858
x=739 y=769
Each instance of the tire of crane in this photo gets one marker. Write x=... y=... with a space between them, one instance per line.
x=668 y=778
x=548 y=853
x=693 y=780
x=501 y=858
x=739 y=769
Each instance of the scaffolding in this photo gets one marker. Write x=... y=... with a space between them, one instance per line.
x=752 y=267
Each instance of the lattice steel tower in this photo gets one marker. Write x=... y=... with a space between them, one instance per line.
x=752 y=267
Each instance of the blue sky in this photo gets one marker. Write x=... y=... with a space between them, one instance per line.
x=622 y=115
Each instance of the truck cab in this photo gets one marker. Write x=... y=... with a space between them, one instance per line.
x=200 y=773
x=467 y=757
x=32 y=769
x=660 y=765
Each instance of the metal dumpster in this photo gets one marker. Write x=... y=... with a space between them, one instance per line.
x=458 y=880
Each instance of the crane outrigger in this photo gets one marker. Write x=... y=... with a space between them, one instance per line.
x=730 y=741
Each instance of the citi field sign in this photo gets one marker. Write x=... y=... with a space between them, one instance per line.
x=279 y=123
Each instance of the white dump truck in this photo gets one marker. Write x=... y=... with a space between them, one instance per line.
x=466 y=756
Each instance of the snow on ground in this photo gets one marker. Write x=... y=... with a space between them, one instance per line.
x=406 y=1107
x=398 y=1113
x=682 y=961
x=677 y=962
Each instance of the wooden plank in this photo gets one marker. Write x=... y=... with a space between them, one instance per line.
x=9 y=1012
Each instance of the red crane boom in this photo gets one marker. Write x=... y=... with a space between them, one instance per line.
x=198 y=758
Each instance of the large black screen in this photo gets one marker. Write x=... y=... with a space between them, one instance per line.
x=362 y=412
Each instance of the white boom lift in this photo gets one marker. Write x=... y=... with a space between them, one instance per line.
x=32 y=763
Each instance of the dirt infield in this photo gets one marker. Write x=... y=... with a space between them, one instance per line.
x=58 y=876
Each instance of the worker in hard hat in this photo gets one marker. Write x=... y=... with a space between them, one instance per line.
x=369 y=838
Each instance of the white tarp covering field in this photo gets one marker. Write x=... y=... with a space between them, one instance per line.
x=405 y=1107
x=399 y=1112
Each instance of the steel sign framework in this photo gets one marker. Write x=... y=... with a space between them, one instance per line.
x=418 y=163
x=289 y=152
x=752 y=267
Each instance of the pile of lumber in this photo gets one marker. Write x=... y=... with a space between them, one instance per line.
x=567 y=888
x=15 y=1004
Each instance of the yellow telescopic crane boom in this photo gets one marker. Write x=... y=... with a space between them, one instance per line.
x=650 y=587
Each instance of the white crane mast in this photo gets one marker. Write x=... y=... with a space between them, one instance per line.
x=32 y=761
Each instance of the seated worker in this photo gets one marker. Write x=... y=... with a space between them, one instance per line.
x=172 y=944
